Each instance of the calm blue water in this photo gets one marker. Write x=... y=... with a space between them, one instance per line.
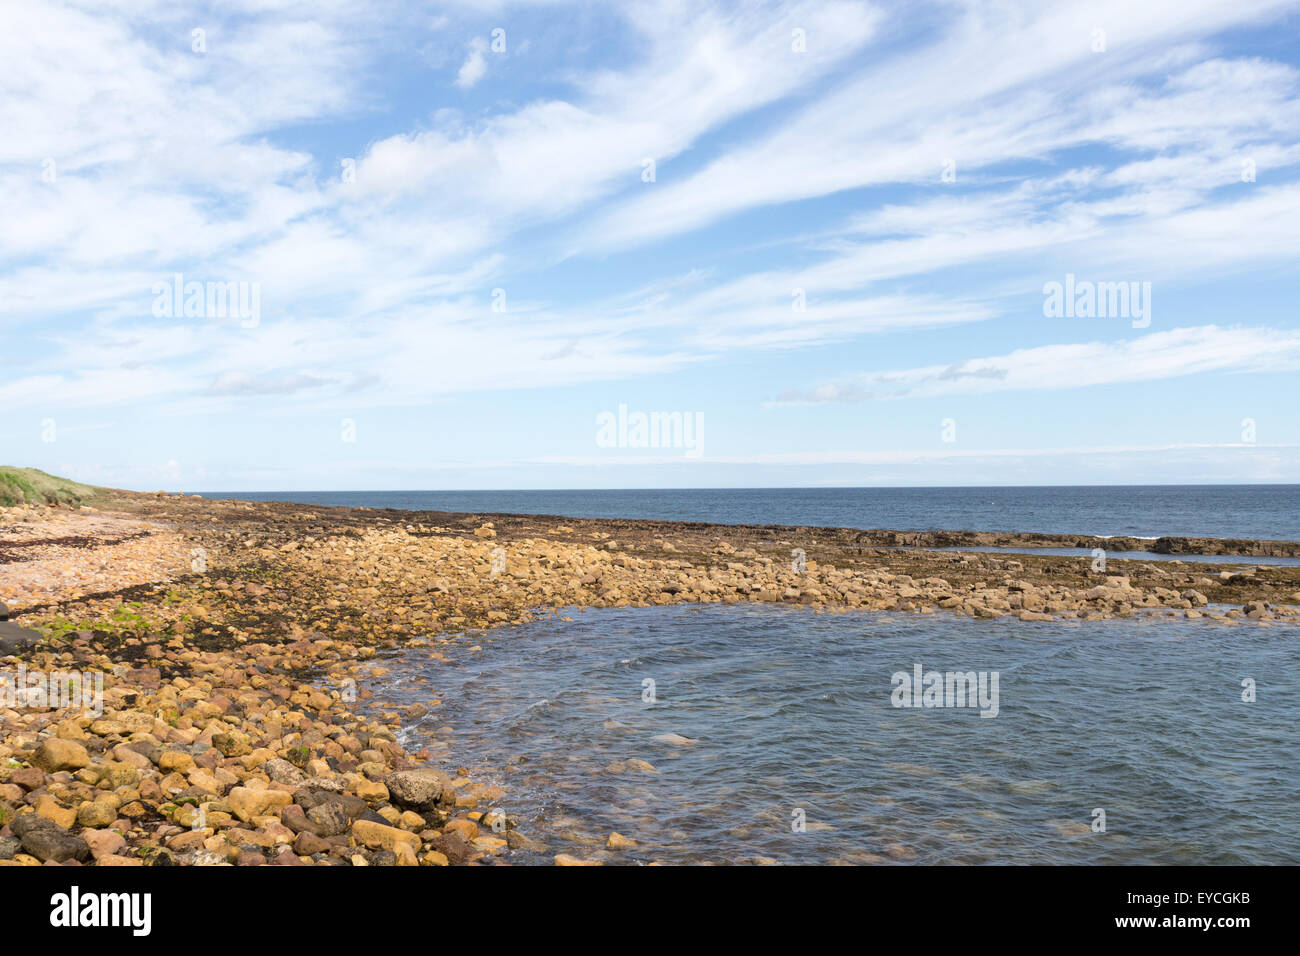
x=1135 y=555
x=1217 y=511
x=791 y=710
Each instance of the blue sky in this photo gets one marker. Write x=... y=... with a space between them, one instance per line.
x=444 y=216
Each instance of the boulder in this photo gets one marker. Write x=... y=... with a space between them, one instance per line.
x=417 y=789
x=47 y=841
x=248 y=803
x=383 y=837
x=56 y=754
x=15 y=639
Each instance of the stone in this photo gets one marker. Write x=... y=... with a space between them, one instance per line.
x=248 y=803
x=372 y=791
x=104 y=842
x=175 y=761
x=48 y=841
x=330 y=818
x=517 y=841
x=96 y=813
x=617 y=841
x=232 y=743
x=675 y=740
x=452 y=846
x=467 y=830
x=417 y=789
x=565 y=859
x=55 y=812
x=29 y=778
x=55 y=754
x=382 y=836
x=281 y=771
x=15 y=639
x=309 y=844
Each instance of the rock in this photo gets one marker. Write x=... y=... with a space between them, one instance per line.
x=175 y=761
x=617 y=841
x=96 y=813
x=15 y=639
x=564 y=859
x=329 y=818
x=382 y=836
x=247 y=803
x=9 y=846
x=29 y=778
x=232 y=744
x=48 y=841
x=372 y=791
x=281 y=771
x=55 y=754
x=309 y=844
x=107 y=727
x=452 y=846
x=405 y=855
x=417 y=789
x=467 y=830
x=200 y=857
x=517 y=841
x=104 y=842
x=675 y=740
x=55 y=812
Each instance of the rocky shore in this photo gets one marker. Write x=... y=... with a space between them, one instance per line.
x=240 y=647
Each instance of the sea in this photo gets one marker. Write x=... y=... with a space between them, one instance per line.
x=735 y=734
x=1142 y=511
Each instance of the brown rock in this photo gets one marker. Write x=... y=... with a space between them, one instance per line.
x=54 y=755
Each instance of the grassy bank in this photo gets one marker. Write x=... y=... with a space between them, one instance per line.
x=30 y=486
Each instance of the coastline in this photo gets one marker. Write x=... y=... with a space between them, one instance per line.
x=237 y=643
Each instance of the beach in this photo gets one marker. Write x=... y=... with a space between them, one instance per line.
x=243 y=649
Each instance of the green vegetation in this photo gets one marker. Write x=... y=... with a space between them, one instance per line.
x=122 y=620
x=27 y=485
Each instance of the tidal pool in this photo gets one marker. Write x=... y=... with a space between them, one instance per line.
x=759 y=733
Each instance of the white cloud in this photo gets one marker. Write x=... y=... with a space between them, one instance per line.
x=1160 y=355
x=475 y=66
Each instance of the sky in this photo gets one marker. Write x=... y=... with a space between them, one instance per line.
x=345 y=245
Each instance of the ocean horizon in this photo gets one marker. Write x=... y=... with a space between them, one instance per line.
x=1260 y=511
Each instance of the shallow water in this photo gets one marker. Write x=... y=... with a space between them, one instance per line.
x=1086 y=553
x=791 y=710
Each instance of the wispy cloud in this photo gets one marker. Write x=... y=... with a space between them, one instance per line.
x=1158 y=356
x=862 y=199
